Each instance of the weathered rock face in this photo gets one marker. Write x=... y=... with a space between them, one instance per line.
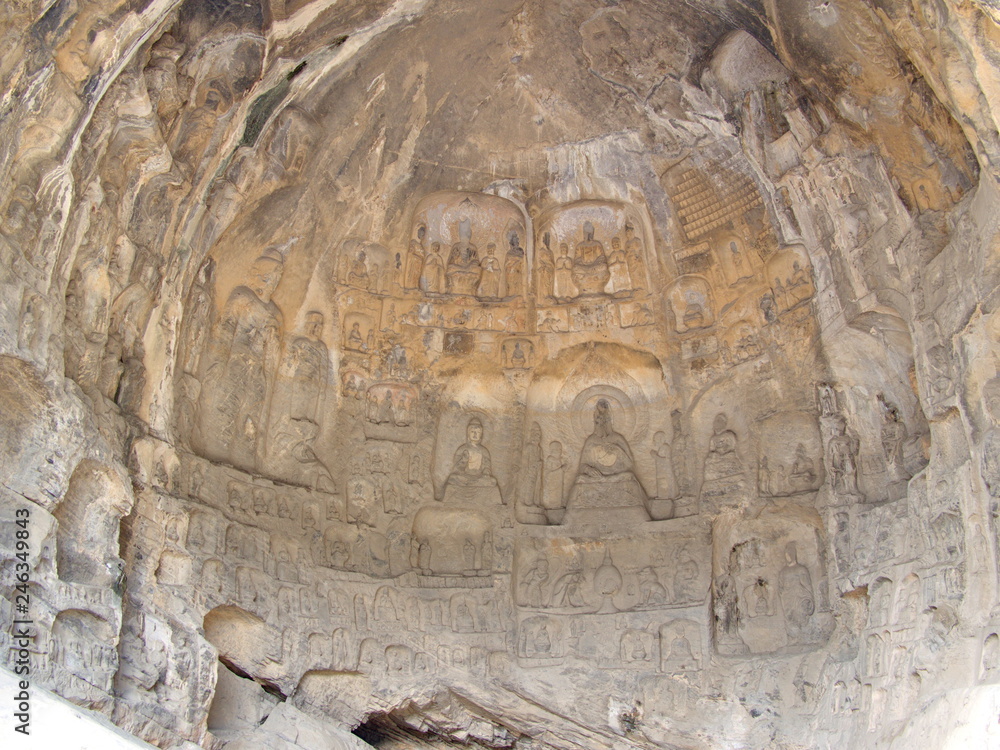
x=528 y=375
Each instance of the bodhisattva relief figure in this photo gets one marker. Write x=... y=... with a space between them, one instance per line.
x=634 y=253
x=471 y=475
x=239 y=371
x=463 y=262
x=619 y=285
x=489 y=282
x=590 y=264
x=415 y=260
x=432 y=275
x=726 y=609
x=722 y=460
x=513 y=268
x=533 y=468
x=991 y=444
x=309 y=361
x=661 y=454
x=842 y=458
x=197 y=316
x=545 y=272
x=565 y=288
x=554 y=487
x=893 y=437
x=796 y=592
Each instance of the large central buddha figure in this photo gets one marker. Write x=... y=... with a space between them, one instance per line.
x=606 y=488
x=605 y=453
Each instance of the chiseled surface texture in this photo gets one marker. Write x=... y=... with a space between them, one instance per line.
x=505 y=374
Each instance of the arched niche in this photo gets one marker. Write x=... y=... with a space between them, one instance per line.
x=562 y=403
x=88 y=516
x=692 y=303
x=471 y=244
x=591 y=249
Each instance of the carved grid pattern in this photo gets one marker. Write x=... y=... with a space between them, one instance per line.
x=708 y=198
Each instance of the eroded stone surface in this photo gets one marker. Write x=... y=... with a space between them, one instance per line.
x=518 y=375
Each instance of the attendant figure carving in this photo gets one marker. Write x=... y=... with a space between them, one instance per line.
x=565 y=288
x=634 y=254
x=534 y=580
x=489 y=283
x=619 y=285
x=513 y=268
x=238 y=378
x=432 y=275
x=842 y=458
x=415 y=260
x=797 y=598
x=545 y=270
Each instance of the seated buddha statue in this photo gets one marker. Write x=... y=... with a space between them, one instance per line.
x=463 y=262
x=605 y=452
x=606 y=487
x=590 y=265
x=471 y=477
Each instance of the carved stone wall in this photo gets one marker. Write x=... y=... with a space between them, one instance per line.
x=504 y=374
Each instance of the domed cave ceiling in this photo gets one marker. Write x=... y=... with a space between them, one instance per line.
x=508 y=374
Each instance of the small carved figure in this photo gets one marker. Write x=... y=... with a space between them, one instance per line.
x=533 y=463
x=842 y=458
x=545 y=270
x=893 y=437
x=661 y=454
x=489 y=284
x=566 y=591
x=634 y=254
x=533 y=582
x=432 y=275
x=619 y=284
x=651 y=591
x=514 y=268
x=565 y=288
x=472 y=464
x=725 y=604
x=722 y=460
x=554 y=482
x=827 y=399
x=415 y=260
x=796 y=591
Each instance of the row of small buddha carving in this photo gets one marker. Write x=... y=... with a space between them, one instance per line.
x=591 y=270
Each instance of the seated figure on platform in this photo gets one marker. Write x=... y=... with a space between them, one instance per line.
x=471 y=477
x=605 y=453
x=606 y=487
